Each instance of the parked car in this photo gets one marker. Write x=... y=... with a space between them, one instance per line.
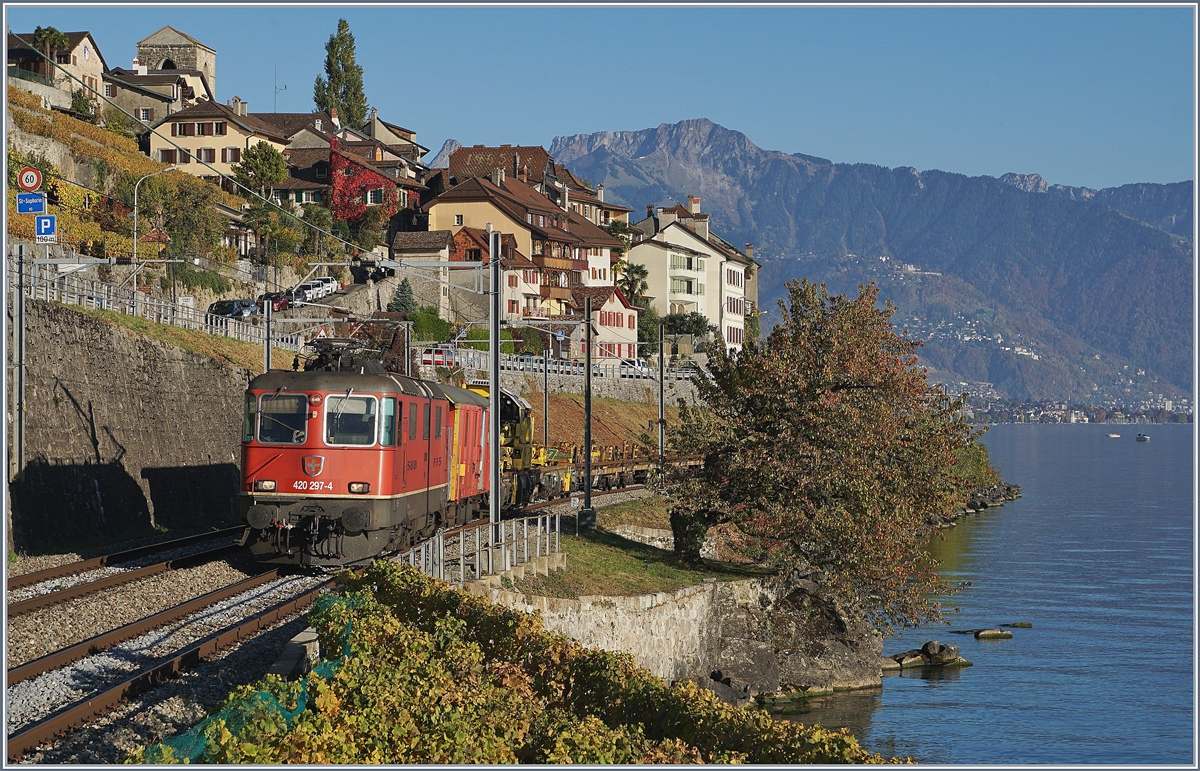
x=439 y=357
x=312 y=290
x=331 y=284
x=634 y=368
x=279 y=301
x=234 y=309
x=690 y=369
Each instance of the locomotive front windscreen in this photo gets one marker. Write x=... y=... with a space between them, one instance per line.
x=350 y=420
x=283 y=418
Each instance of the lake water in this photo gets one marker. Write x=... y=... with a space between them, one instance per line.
x=1098 y=555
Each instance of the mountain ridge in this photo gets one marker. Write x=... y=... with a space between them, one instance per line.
x=1083 y=273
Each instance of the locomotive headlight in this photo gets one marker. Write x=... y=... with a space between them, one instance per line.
x=360 y=487
x=264 y=486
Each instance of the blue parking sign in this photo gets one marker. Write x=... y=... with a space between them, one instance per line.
x=46 y=229
x=31 y=203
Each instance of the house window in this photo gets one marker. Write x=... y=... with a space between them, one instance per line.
x=207 y=154
x=317 y=197
x=514 y=306
x=322 y=171
x=63 y=58
x=110 y=89
x=375 y=196
x=146 y=114
x=458 y=219
x=299 y=196
x=474 y=255
x=347 y=171
x=541 y=220
x=235 y=155
x=167 y=156
x=512 y=280
x=528 y=218
x=378 y=154
x=537 y=247
x=633 y=321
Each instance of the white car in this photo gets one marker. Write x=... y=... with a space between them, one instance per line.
x=635 y=368
x=331 y=284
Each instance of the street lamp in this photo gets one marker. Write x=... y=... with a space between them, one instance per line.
x=135 y=241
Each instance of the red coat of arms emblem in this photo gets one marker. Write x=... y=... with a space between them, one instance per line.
x=313 y=465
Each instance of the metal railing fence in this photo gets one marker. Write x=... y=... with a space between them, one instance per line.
x=471 y=552
x=72 y=289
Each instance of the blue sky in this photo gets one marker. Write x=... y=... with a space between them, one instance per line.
x=1083 y=96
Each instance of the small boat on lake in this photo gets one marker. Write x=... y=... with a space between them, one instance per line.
x=1113 y=436
x=1143 y=437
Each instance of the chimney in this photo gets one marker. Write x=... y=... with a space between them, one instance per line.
x=317 y=124
x=566 y=199
x=525 y=173
x=239 y=107
x=693 y=204
x=497 y=176
x=373 y=114
x=333 y=118
x=600 y=192
x=750 y=251
x=517 y=166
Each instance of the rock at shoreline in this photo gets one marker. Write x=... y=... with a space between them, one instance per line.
x=931 y=654
x=993 y=634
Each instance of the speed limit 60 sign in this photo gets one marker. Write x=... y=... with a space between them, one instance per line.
x=29 y=179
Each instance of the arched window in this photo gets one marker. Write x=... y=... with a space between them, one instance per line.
x=167 y=64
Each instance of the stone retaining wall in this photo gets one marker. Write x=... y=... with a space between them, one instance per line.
x=124 y=433
x=764 y=635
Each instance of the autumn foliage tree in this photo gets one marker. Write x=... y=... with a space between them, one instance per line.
x=826 y=446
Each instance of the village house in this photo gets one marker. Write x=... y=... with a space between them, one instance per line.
x=169 y=49
x=614 y=322
x=79 y=63
x=540 y=228
x=693 y=269
x=208 y=138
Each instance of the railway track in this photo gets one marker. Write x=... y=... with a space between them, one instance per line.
x=73 y=568
x=129 y=576
x=90 y=678
x=115 y=659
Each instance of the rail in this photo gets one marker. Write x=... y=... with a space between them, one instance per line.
x=473 y=551
x=70 y=289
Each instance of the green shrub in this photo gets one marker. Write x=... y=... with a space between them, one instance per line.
x=428 y=326
x=431 y=674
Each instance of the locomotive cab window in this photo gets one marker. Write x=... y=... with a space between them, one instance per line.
x=387 y=422
x=248 y=418
x=412 y=420
x=425 y=422
x=437 y=423
x=350 y=420
x=282 y=418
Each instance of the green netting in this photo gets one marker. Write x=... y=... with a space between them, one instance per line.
x=189 y=746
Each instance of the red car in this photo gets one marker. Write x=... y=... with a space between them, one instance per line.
x=279 y=301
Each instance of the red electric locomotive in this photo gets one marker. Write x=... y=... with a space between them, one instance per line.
x=346 y=461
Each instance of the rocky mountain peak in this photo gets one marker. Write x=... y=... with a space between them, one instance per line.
x=442 y=159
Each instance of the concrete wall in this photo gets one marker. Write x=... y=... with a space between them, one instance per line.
x=625 y=389
x=124 y=434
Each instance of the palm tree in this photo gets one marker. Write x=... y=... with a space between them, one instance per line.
x=633 y=281
x=48 y=40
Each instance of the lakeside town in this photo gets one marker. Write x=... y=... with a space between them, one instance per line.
x=485 y=608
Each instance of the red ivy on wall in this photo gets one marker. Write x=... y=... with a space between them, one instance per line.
x=348 y=201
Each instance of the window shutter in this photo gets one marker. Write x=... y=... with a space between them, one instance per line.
x=224 y=155
x=174 y=129
x=151 y=113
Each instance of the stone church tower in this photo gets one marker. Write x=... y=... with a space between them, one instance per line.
x=170 y=49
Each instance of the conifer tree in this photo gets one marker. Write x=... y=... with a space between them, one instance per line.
x=342 y=86
x=403 y=300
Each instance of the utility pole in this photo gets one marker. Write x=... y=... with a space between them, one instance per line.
x=662 y=380
x=545 y=397
x=494 y=386
x=267 y=334
x=587 y=515
x=19 y=438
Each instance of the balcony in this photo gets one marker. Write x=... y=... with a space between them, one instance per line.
x=33 y=77
x=556 y=292
x=551 y=263
x=534 y=313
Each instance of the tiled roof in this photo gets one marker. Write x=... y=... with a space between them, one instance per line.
x=508 y=245
x=289 y=123
x=422 y=241
x=567 y=177
x=590 y=233
x=306 y=158
x=599 y=294
x=677 y=209
x=515 y=199
x=73 y=40
x=300 y=183
x=479 y=161
x=208 y=109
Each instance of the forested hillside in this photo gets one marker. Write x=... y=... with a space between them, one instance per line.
x=1022 y=289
